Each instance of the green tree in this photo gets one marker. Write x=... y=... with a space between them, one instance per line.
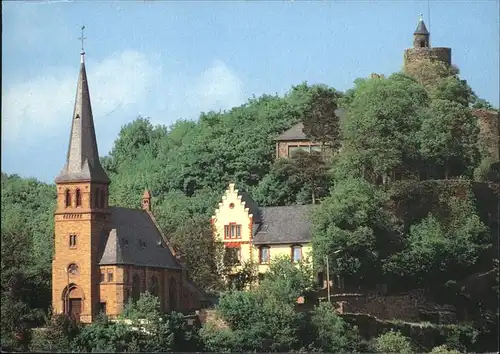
x=448 y=138
x=393 y=342
x=265 y=318
x=25 y=279
x=352 y=220
x=332 y=334
x=430 y=73
x=170 y=332
x=287 y=281
x=105 y=336
x=260 y=323
x=381 y=124
x=280 y=186
x=443 y=349
x=220 y=340
x=453 y=89
x=134 y=138
x=57 y=336
x=318 y=106
x=199 y=250
x=311 y=172
x=480 y=103
x=301 y=179
x=442 y=248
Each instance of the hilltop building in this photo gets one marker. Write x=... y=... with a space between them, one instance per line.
x=254 y=234
x=295 y=139
x=104 y=255
x=488 y=120
x=422 y=48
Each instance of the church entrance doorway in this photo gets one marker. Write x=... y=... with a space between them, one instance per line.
x=75 y=308
x=73 y=301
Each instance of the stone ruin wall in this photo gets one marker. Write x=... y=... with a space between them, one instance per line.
x=489 y=131
x=435 y=54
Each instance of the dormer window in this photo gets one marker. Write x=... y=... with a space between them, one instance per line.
x=141 y=244
x=67 y=198
x=78 y=197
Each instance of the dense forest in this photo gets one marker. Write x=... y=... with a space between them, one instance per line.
x=410 y=201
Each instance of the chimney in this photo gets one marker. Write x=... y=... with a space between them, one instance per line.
x=146 y=201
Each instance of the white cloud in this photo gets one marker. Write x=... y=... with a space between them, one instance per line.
x=218 y=88
x=36 y=108
x=121 y=87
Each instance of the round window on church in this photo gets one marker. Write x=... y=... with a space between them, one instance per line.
x=231 y=206
x=73 y=269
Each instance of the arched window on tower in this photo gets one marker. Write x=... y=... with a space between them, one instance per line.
x=153 y=286
x=67 y=198
x=78 y=197
x=136 y=287
x=72 y=240
x=422 y=44
x=73 y=269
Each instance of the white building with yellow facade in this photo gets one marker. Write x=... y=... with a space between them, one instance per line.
x=258 y=234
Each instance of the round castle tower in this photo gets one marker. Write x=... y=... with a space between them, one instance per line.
x=422 y=48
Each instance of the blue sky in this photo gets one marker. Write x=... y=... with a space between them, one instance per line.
x=173 y=59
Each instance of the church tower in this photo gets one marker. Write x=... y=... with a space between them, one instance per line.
x=81 y=215
x=422 y=48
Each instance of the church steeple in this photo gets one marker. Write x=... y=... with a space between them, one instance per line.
x=82 y=161
x=421 y=35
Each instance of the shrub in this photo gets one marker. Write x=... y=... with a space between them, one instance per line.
x=392 y=342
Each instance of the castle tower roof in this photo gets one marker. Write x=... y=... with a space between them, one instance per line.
x=82 y=161
x=421 y=28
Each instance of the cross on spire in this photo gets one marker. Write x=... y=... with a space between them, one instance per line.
x=82 y=38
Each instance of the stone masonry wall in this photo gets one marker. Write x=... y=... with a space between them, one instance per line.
x=436 y=53
x=489 y=130
x=403 y=307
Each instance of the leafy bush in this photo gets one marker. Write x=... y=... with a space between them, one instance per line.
x=392 y=342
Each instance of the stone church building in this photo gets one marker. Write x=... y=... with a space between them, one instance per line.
x=105 y=255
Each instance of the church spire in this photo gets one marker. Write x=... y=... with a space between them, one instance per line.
x=82 y=161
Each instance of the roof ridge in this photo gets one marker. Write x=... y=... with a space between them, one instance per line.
x=163 y=236
x=290 y=206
